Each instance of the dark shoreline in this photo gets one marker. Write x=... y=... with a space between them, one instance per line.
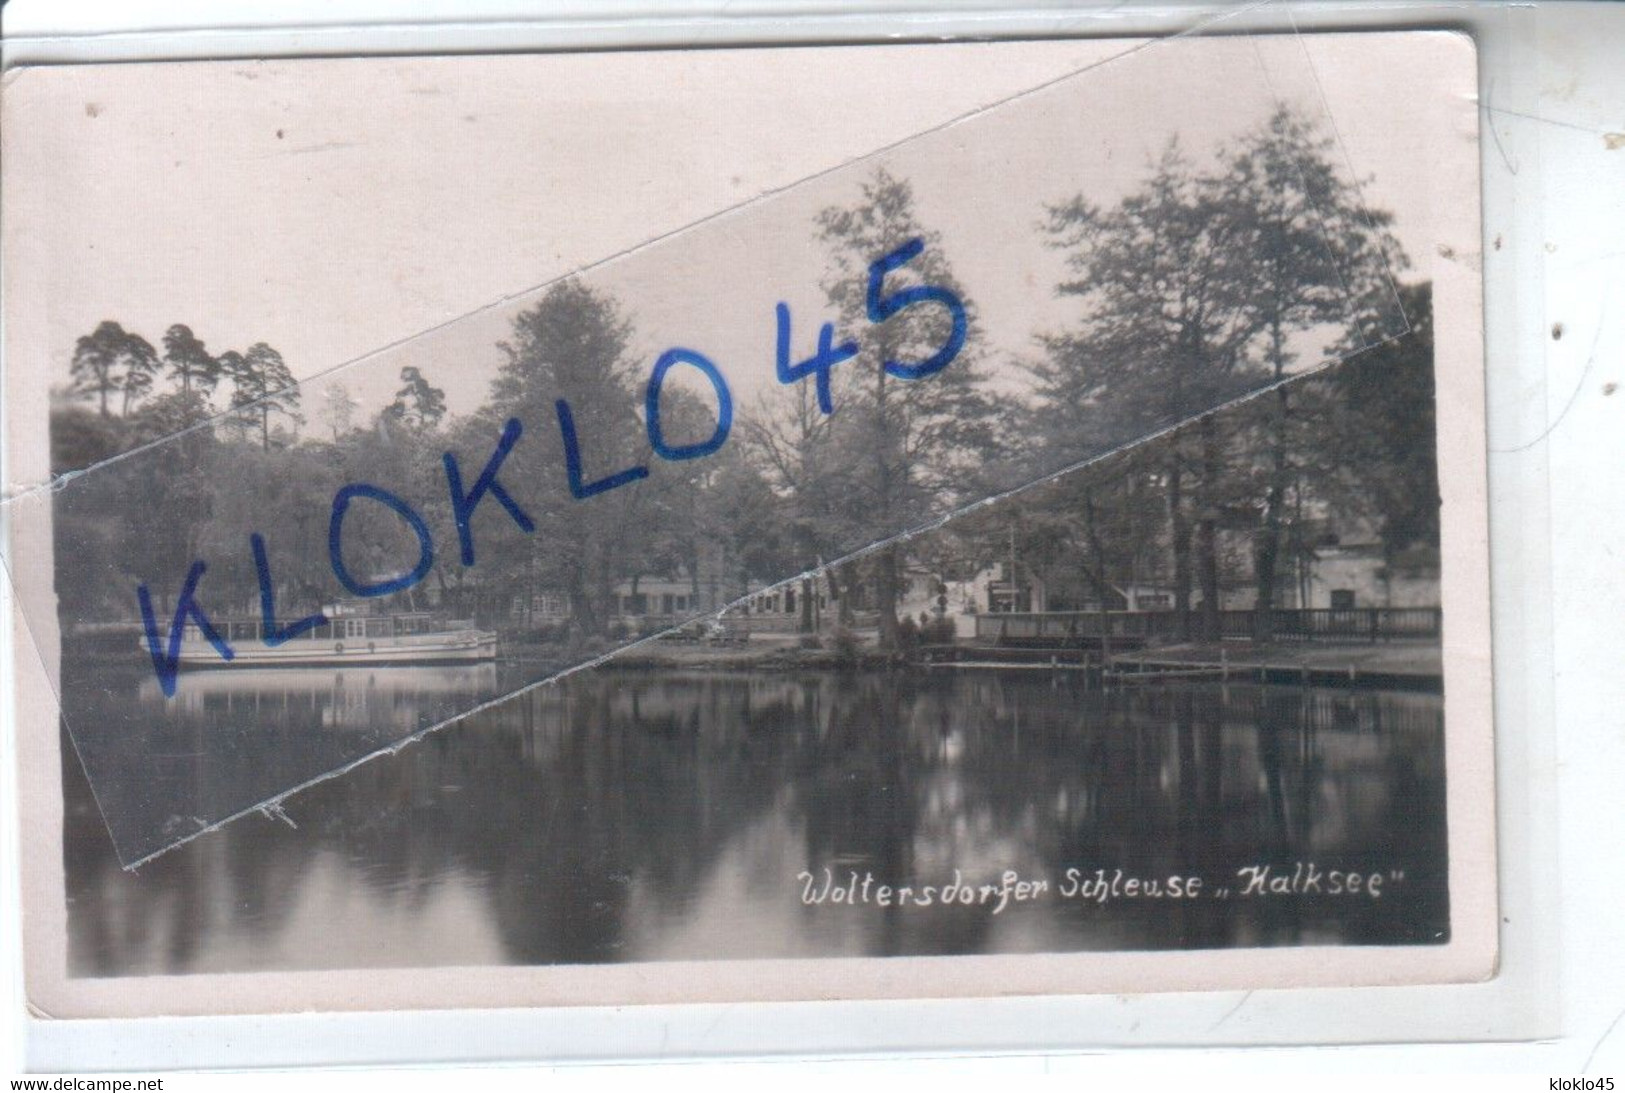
x=1400 y=667
x=1385 y=668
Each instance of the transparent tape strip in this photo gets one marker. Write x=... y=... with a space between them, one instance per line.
x=771 y=393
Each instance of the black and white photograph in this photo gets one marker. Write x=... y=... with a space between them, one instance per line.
x=844 y=521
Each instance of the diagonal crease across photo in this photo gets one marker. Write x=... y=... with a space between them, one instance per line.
x=1106 y=397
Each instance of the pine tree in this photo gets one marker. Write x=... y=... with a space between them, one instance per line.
x=189 y=360
x=1315 y=252
x=1165 y=283
x=110 y=359
x=907 y=446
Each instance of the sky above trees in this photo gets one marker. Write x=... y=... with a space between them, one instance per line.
x=1193 y=290
x=326 y=265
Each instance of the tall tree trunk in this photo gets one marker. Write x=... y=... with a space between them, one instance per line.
x=1207 y=564
x=1267 y=547
x=104 y=388
x=844 y=581
x=886 y=557
x=886 y=595
x=806 y=624
x=1098 y=549
x=1180 y=532
x=1207 y=530
x=581 y=607
x=603 y=591
x=1267 y=550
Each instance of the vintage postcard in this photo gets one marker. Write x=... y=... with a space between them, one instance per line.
x=854 y=521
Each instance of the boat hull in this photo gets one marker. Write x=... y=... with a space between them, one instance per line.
x=322 y=654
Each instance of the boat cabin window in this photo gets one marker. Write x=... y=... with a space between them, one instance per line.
x=344 y=629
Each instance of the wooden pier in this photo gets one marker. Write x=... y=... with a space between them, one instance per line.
x=1007 y=657
x=1127 y=630
x=1387 y=668
x=1136 y=668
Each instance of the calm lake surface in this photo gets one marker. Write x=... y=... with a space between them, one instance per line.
x=635 y=815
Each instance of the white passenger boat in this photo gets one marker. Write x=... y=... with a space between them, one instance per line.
x=412 y=638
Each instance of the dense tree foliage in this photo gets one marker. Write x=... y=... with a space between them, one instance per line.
x=902 y=449
x=1198 y=289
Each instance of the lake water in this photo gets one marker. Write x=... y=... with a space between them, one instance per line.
x=631 y=816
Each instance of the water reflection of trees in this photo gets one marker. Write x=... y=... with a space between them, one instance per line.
x=591 y=815
x=995 y=772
